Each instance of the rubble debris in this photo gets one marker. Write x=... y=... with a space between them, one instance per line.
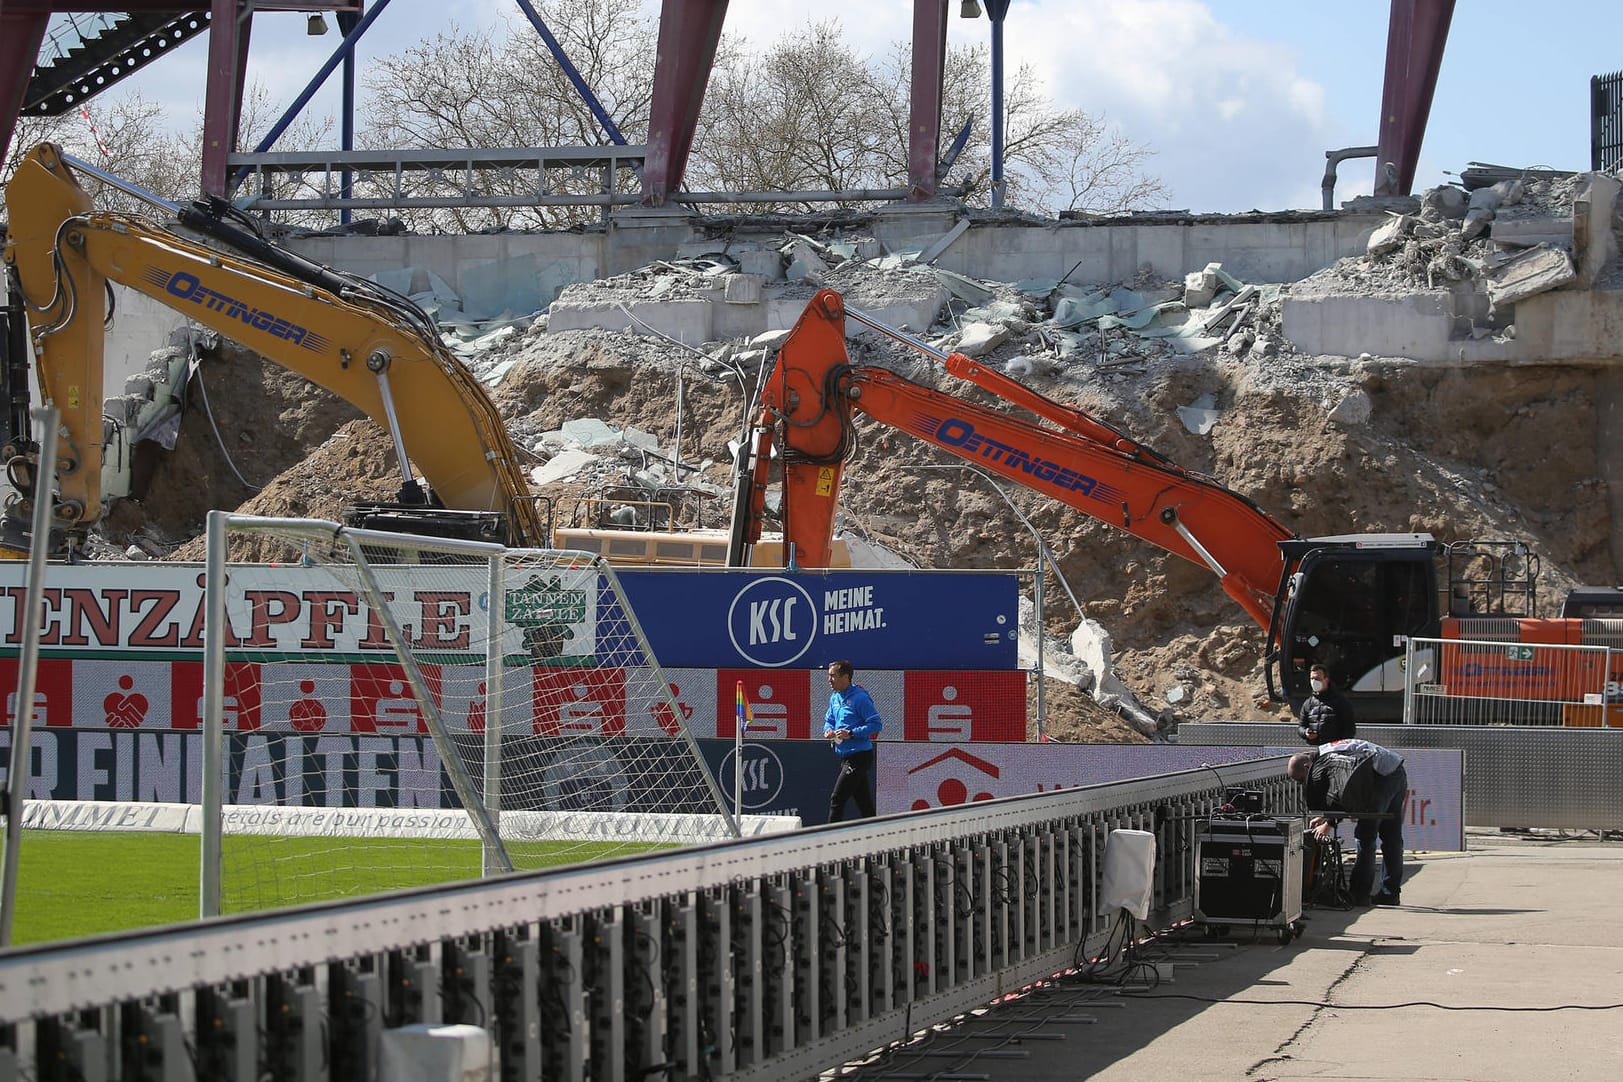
x=1200 y=415
x=1390 y=234
x=979 y=339
x=1200 y=287
x=805 y=265
x=1594 y=241
x=1484 y=205
x=563 y=466
x=1479 y=238
x=1443 y=202
x=1532 y=271
x=1354 y=409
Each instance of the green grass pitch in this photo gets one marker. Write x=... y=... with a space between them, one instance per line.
x=80 y=883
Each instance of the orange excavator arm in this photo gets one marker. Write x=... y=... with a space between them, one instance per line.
x=814 y=390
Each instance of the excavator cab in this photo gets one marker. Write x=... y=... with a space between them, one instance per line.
x=1351 y=603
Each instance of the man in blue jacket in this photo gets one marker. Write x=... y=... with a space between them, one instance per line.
x=851 y=723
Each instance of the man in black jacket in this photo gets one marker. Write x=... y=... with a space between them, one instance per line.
x=1368 y=782
x=1326 y=715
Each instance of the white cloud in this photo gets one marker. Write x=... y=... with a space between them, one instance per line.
x=1233 y=123
x=870 y=27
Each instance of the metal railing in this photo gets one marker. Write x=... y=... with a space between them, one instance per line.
x=1488 y=682
x=1605 y=121
x=755 y=959
x=602 y=176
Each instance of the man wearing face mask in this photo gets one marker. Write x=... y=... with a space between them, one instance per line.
x=1326 y=715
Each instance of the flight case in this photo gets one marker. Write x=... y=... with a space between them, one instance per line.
x=1248 y=874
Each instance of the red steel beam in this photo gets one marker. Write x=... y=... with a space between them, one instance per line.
x=1416 y=34
x=230 y=27
x=924 y=115
x=689 y=31
x=21 y=32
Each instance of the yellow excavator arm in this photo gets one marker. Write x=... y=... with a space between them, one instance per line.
x=362 y=343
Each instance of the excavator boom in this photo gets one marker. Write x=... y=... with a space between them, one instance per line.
x=371 y=348
x=814 y=390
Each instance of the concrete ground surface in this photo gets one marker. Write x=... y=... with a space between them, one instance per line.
x=1477 y=976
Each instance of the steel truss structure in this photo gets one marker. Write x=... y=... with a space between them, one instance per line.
x=768 y=958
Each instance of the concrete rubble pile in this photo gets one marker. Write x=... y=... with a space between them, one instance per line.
x=1484 y=250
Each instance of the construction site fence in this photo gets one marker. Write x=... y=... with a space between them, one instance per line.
x=766 y=958
x=1516 y=776
x=1487 y=682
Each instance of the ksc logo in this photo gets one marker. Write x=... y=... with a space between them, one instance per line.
x=585 y=778
x=761 y=776
x=772 y=622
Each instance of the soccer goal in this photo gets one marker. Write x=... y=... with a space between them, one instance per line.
x=385 y=710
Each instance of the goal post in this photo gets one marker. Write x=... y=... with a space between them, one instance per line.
x=385 y=710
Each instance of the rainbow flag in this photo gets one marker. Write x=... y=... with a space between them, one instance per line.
x=742 y=706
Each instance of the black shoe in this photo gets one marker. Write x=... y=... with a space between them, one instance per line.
x=1361 y=901
x=1388 y=898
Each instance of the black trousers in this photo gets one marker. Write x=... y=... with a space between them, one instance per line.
x=854 y=782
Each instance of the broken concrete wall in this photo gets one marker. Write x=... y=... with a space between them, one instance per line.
x=1557 y=326
x=1256 y=251
x=489 y=272
x=1594 y=244
x=1427 y=326
x=1570 y=325
x=1261 y=251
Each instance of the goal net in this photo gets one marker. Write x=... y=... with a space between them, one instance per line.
x=386 y=710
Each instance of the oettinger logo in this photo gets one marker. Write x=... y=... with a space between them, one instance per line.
x=772 y=622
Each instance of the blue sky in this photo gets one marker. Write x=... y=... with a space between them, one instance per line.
x=1239 y=99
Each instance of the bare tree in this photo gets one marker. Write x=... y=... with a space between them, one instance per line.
x=129 y=136
x=123 y=135
x=797 y=117
x=811 y=113
x=472 y=90
x=1053 y=159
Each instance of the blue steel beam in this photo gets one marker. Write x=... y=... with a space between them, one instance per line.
x=347 y=21
x=342 y=54
x=569 y=69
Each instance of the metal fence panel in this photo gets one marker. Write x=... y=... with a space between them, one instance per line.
x=1488 y=682
x=1605 y=121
